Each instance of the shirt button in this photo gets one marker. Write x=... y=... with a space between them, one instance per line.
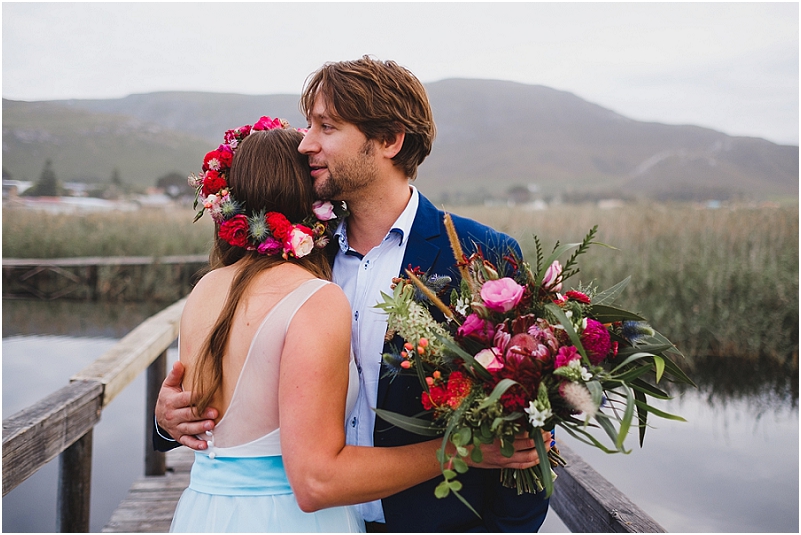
x=353 y=422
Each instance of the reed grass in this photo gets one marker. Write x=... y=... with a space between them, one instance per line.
x=716 y=282
x=35 y=234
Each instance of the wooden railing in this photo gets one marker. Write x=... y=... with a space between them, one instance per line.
x=62 y=423
x=100 y=277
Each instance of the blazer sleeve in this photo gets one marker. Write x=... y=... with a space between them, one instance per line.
x=159 y=442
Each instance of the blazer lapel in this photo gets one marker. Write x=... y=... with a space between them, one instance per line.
x=422 y=250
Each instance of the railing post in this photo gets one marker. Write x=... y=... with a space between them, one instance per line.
x=75 y=486
x=155 y=461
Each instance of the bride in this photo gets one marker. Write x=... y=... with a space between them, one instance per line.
x=265 y=339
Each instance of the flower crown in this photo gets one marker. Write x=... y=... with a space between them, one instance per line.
x=268 y=233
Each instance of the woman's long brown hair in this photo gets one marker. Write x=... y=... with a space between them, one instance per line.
x=267 y=173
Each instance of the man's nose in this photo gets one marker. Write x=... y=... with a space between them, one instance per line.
x=308 y=144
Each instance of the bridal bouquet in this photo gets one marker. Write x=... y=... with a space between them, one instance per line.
x=514 y=355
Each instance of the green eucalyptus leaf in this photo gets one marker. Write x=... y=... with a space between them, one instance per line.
x=449 y=474
x=507 y=448
x=455 y=486
x=477 y=455
x=459 y=465
x=442 y=490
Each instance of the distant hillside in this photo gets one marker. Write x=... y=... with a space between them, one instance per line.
x=492 y=137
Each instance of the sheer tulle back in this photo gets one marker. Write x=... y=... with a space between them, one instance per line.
x=250 y=425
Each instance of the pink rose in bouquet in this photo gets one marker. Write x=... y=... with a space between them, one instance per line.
x=501 y=295
x=476 y=328
x=553 y=277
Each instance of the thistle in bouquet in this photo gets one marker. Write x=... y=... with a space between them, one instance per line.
x=515 y=355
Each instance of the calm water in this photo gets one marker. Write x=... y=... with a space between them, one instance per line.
x=733 y=467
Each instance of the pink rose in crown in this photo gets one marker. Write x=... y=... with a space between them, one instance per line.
x=489 y=359
x=596 y=340
x=299 y=241
x=501 y=295
x=476 y=328
x=552 y=281
x=266 y=123
x=323 y=210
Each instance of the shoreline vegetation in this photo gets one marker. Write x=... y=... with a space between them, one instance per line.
x=717 y=282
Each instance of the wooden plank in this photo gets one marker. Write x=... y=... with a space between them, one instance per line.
x=150 y=504
x=588 y=503
x=129 y=357
x=105 y=261
x=36 y=435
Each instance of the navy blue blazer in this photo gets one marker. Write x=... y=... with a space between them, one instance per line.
x=417 y=509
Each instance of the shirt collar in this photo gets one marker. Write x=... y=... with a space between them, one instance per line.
x=401 y=227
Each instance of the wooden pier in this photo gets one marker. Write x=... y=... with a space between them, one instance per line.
x=113 y=278
x=61 y=425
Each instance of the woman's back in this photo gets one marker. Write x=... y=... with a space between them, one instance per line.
x=239 y=482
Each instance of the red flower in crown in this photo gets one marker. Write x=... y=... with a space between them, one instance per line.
x=266 y=123
x=218 y=159
x=280 y=226
x=212 y=183
x=235 y=231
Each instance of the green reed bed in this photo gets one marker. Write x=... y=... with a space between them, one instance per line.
x=33 y=234
x=716 y=282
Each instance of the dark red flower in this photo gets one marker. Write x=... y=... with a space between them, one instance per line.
x=279 y=225
x=578 y=296
x=235 y=231
x=212 y=183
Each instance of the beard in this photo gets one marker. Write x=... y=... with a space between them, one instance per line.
x=348 y=176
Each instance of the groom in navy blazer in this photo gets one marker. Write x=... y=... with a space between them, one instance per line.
x=370 y=126
x=416 y=509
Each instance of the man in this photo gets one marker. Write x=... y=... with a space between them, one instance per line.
x=370 y=127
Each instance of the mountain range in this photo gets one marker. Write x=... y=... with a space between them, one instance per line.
x=494 y=139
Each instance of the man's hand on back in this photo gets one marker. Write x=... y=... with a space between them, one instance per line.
x=175 y=415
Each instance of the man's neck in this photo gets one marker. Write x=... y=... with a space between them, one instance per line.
x=372 y=215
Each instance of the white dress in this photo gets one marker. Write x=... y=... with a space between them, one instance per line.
x=239 y=484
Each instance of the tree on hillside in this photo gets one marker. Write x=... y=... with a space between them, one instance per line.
x=174 y=185
x=48 y=184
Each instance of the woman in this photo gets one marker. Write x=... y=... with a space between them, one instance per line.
x=263 y=307
x=265 y=338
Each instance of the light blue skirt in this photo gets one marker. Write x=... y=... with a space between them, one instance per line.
x=251 y=494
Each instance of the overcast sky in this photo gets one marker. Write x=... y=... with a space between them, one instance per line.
x=733 y=67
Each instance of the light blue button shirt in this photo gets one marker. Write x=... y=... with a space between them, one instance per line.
x=363 y=278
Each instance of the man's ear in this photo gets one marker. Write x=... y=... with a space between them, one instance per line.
x=393 y=146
